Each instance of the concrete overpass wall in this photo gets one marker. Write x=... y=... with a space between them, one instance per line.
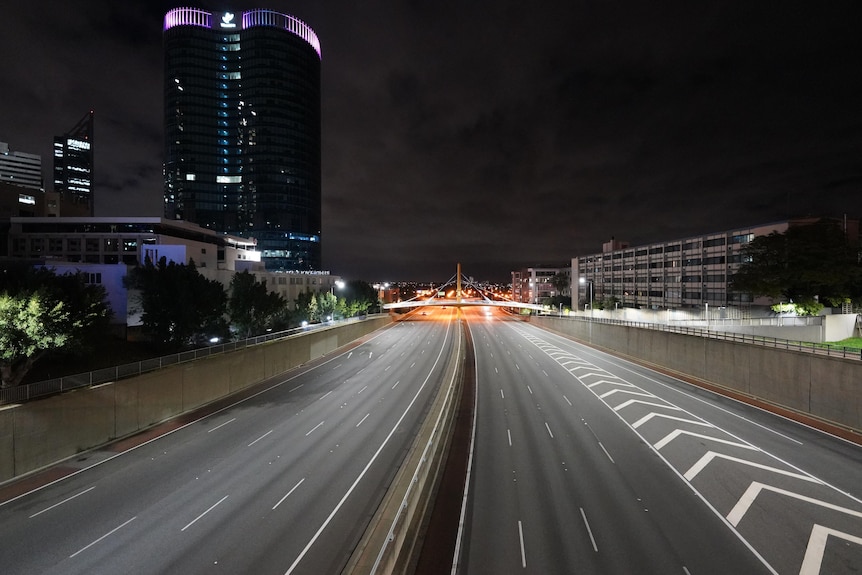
x=826 y=388
x=43 y=432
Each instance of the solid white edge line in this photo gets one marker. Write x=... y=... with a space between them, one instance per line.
x=338 y=506
x=459 y=539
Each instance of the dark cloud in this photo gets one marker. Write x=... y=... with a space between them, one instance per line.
x=498 y=134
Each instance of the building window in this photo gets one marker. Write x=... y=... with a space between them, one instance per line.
x=91 y=245
x=55 y=245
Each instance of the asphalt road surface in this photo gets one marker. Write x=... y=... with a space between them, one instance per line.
x=282 y=482
x=585 y=463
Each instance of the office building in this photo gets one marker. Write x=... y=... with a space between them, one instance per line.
x=105 y=248
x=690 y=272
x=74 y=163
x=242 y=130
x=536 y=285
x=20 y=168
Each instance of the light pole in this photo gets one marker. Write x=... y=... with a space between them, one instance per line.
x=583 y=281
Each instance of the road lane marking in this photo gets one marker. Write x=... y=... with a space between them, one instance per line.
x=710 y=455
x=530 y=389
x=213 y=506
x=259 y=438
x=396 y=384
x=567 y=401
x=549 y=430
x=313 y=428
x=361 y=390
x=61 y=502
x=523 y=552
x=589 y=531
x=606 y=453
x=501 y=395
x=509 y=433
x=280 y=501
x=741 y=508
x=222 y=425
x=297 y=387
x=115 y=529
x=817 y=547
x=324 y=395
x=363 y=419
x=368 y=465
x=677 y=432
x=652 y=414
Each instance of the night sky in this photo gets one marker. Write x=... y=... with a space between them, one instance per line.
x=498 y=134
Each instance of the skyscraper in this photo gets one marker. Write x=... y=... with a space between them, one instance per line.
x=242 y=130
x=73 y=164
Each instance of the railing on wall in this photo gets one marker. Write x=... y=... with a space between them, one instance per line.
x=22 y=393
x=803 y=346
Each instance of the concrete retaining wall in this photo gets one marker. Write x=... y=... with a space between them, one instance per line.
x=43 y=432
x=828 y=388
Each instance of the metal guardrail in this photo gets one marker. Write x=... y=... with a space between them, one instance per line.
x=803 y=346
x=22 y=393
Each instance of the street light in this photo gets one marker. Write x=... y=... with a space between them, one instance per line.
x=583 y=281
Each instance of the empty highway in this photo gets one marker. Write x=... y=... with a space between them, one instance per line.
x=283 y=482
x=584 y=463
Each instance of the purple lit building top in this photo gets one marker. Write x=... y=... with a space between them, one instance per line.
x=227 y=21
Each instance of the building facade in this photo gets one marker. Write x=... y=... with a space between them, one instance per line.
x=242 y=130
x=20 y=168
x=105 y=248
x=691 y=272
x=74 y=164
x=536 y=285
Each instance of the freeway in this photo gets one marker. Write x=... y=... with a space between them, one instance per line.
x=585 y=463
x=282 y=482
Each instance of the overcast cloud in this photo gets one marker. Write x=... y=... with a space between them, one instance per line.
x=498 y=134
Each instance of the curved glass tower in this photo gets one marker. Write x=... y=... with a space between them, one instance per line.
x=242 y=130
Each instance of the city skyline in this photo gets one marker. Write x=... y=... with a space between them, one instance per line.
x=490 y=134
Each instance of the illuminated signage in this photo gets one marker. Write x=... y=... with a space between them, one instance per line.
x=227 y=20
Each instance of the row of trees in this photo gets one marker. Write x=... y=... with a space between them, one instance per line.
x=41 y=312
x=180 y=308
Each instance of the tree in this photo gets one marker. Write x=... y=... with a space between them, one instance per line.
x=359 y=297
x=180 y=307
x=327 y=304
x=251 y=306
x=808 y=264
x=42 y=312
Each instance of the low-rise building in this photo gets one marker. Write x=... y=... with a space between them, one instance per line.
x=688 y=272
x=104 y=248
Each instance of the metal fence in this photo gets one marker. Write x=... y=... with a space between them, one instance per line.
x=22 y=393
x=803 y=346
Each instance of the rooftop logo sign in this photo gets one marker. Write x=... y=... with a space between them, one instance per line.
x=227 y=20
